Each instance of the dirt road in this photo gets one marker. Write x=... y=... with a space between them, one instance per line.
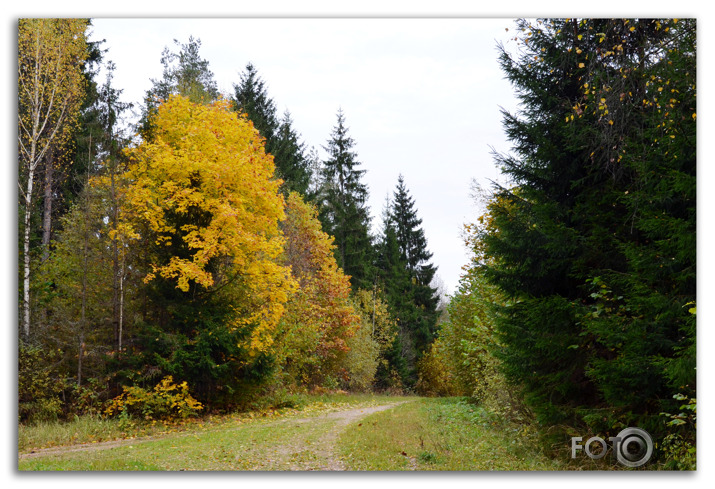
x=302 y=444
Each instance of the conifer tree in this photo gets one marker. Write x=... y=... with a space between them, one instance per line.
x=593 y=241
x=413 y=248
x=395 y=280
x=186 y=74
x=251 y=98
x=344 y=211
x=404 y=269
x=281 y=140
x=292 y=164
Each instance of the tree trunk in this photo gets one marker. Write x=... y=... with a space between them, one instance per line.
x=79 y=360
x=26 y=255
x=116 y=278
x=47 y=216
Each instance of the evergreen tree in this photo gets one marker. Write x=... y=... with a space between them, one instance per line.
x=186 y=74
x=344 y=211
x=395 y=279
x=413 y=248
x=282 y=141
x=593 y=242
x=292 y=164
x=251 y=98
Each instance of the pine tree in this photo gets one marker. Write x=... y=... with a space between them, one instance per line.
x=186 y=74
x=344 y=211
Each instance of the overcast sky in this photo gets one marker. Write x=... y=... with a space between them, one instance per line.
x=421 y=97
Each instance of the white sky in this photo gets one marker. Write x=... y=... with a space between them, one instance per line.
x=421 y=96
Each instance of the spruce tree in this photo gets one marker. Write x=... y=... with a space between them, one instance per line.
x=593 y=241
x=292 y=164
x=282 y=141
x=402 y=261
x=413 y=249
x=251 y=98
x=344 y=212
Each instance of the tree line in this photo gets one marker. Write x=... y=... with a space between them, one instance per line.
x=212 y=249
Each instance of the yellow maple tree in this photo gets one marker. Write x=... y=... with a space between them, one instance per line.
x=202 y=190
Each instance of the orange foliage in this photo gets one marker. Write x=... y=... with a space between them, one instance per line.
x=320 y=316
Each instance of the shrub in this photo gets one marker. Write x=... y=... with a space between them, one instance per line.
x=39 y=386
x=679 y=445
x=167 y=401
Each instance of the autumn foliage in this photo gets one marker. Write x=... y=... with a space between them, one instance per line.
x=319 y=317
x=202 y=194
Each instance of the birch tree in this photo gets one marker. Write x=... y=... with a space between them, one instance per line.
x=50 y=88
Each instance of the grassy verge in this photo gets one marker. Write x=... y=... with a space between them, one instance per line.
x=440 y=434
x=94 y=429
x=289 y=438
x=255 y=444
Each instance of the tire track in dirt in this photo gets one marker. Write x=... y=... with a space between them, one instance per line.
x=325 y=449
x=323 y=456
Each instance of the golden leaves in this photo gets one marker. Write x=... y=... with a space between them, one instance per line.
x=203 y=187
x=50 y=85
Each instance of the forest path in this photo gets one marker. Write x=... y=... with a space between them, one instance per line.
x=300 y=453
x=288 y=444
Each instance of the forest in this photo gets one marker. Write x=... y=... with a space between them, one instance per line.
x=206 y=260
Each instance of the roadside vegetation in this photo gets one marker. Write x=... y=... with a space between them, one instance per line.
x=96 y=428
x=442 y=434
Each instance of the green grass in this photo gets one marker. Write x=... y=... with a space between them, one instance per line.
x=421 y=434
x=271 y=439
x=440 y=434
x=93 y=429
x=257 y=445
